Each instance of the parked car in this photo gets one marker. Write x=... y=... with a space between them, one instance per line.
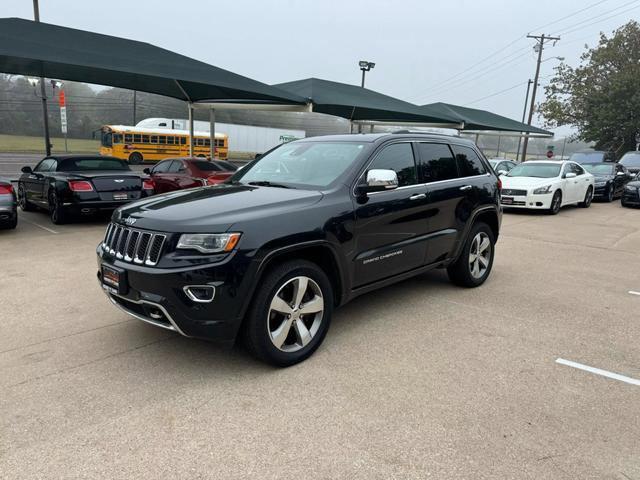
x=631 y=161
x=314 y=223
x=8 y=205
x=631 y=194
x=180 y=173
x=547 y=185
x=610 y=179
x=80 y=184
x=592 y=156
x=502 y=166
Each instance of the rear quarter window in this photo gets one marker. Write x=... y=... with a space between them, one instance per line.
x=469 y=163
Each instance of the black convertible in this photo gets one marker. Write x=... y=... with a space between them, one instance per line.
x=80 y=184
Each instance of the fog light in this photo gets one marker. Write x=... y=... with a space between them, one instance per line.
x=200 y=293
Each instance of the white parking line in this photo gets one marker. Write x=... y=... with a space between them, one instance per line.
x=40 y=226
x=598 y=371
x=634 y=293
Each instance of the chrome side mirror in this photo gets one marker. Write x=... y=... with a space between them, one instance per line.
x=620 y=174
x=379 y=180
x=502 y=172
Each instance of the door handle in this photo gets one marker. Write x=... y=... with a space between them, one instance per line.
x=418 y=196
x=466 y=187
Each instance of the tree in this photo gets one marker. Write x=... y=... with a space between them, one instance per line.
x=601 y=97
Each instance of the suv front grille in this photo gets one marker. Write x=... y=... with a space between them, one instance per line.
x=132 y=245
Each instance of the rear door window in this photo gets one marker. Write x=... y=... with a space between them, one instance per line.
x=162 y=167
x=436 y=162
x=469 y=163
x=399 y=158
x=176 y=166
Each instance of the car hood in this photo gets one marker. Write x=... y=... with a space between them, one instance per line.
x=214 y=208
x=634 y=183
x=525 y=182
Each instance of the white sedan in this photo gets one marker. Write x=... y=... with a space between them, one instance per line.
x=547 y=185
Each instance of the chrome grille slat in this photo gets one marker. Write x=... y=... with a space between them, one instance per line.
x=133 y=245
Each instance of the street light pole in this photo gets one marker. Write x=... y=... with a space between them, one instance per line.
x=43 y=93
x=540 y=45
x=365 y=66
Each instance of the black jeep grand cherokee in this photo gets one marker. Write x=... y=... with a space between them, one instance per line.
x=304 y=229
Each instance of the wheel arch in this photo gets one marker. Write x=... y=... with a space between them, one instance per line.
x=488 y=214
x=321 y=253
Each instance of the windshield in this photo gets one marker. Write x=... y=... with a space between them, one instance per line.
x=587 y=157
x=92 y=164
x=599 y=168
x=312 y=164
x=536 y=170
x=631 y=159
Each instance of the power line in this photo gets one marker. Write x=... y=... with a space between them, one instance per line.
x=570 y=28
x=537 y=29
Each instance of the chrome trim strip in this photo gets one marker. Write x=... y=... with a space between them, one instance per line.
x=173 y=327
x=153 y=239
x=193 y=298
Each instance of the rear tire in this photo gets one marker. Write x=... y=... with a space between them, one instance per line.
x=473 y=266
x=22 y=199
x=56 y=210
x=10 y=225
x=588 y=197
x=556 y=203
x=272 y=336
x=135 y=158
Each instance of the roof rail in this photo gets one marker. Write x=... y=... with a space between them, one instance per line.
x=422 y=132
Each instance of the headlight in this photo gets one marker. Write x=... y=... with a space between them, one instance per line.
x=542 y=190
x=208 y=242
x=601 y=184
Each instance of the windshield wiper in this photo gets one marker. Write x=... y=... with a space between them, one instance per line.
x=266 y=183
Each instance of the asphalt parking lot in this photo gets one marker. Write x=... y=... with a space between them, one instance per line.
x=419 y=380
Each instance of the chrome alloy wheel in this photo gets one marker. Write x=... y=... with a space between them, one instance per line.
x=295 y=314
x=479 y=255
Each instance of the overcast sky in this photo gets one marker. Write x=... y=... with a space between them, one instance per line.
x=425 y=51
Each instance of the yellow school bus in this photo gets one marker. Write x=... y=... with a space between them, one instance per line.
x=140 y=144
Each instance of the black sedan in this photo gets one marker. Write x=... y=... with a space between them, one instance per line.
x=610 y=179
x=631 y=194
x=8 y=205
x=80 y=184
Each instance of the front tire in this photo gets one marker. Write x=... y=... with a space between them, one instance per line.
x=22 y=199
x=588 y=197
x=135 y=158
x=473 y=266
x=290 y=314
x=610 y=193
x=556 y=203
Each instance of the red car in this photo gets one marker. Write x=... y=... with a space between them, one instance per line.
x=179 y=173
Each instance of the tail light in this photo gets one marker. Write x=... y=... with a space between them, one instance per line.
x=148 y=184
x=6 y=189
x=80 y=186
x=213 y=180
x=499 y=184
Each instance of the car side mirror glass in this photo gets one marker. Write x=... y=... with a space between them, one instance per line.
x=27 y=170
x=147 y=171
x=570 y=175
x=379 y=180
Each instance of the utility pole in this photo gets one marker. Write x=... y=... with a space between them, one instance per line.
x=540 y=46
x=135 y=95
x=365 y=66
x=43 y=93
x=524 y=114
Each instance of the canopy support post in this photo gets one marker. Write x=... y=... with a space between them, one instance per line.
x=212 y=133
x=190 y=106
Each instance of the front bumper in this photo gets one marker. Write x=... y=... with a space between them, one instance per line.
x=157 y=296
x=529 y=201
x=631 y=198
x=601 y=191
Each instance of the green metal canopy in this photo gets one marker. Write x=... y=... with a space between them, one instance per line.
x=475 y=119
x=361 y=104
x=45 y=50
